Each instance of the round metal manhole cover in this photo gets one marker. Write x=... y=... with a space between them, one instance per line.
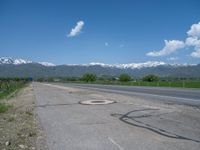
x=96 y=102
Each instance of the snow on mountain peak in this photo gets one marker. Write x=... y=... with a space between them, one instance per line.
x=131 y=65
x=10 y=60
x=148 y=64
x=46 y=64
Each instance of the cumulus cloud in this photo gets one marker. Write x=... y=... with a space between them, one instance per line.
x=76 y=30
x=193 y=40
x=194 y=30
x=196 y=53
x=170 y=47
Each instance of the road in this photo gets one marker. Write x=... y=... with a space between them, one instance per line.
x=133 y=122
x=168 y=95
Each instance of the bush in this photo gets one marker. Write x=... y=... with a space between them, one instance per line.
x=150 y=78
x=89 y=77
x=9 y=85
x=3 y=108
x=124 y=78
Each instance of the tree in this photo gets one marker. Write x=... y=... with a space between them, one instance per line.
x=124 y=77
x=151 y=78
x=89 y=77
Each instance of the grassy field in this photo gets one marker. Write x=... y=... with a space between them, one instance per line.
x=107 y=80
x=179 y=84
x=126 y=79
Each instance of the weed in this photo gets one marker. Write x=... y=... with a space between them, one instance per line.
x=4 y=108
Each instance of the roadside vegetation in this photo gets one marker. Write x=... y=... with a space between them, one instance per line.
x=125 y=79
x=8 y=86
x=89 y=77
x=18 y=128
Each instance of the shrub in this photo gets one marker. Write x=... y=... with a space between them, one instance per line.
x=89 y=77
x=3 y=108
x=124 y=77
x=150 y=78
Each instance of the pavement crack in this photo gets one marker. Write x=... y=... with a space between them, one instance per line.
x=135 y=122
x=53 y=105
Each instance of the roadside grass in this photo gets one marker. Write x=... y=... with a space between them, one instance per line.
x=4 y=107
x=18 y=125
x=178 y=84
x=9 y=88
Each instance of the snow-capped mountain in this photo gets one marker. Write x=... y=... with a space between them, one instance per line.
x=148 y=64
x=10 y=60
x=46 y=64
x=132 y=65
x=42 y=69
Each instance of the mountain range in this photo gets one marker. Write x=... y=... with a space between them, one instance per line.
x=10 y=67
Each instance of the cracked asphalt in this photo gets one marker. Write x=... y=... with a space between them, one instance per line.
x=133 y=122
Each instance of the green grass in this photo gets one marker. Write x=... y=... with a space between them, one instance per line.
x=7 y=88
x=4 y=108
x=179 y=84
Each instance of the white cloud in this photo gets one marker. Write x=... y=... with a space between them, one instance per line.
x=173 y=58
x=196 y=53
x=194 y=40
x=106 y=44
x=194 y=30
x=170 y=47
x=76 y=30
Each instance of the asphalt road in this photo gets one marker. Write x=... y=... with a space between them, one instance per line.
x=133 y=122
x=169 y=95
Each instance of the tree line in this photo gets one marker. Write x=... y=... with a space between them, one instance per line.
x=90 y=77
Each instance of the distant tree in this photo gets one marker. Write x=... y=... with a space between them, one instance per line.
x=89 y=77
x=151 y=78
x=124 y=77
x=40 y=79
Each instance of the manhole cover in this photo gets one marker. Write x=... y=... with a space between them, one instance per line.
x=96 y=102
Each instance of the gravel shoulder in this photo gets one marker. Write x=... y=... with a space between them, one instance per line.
x=19 y=125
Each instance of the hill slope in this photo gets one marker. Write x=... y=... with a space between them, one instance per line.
x=38 y=70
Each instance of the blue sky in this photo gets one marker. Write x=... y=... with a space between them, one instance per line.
x=107 y=31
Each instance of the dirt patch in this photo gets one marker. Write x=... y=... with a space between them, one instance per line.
x=18 y=125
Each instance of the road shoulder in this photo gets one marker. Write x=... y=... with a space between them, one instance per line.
x=19 y=125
